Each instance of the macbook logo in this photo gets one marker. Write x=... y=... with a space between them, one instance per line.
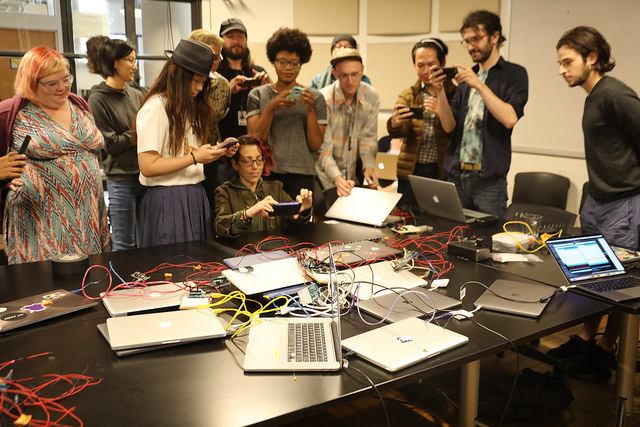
x=436 y=199
x=165 y=324
x=381 y=166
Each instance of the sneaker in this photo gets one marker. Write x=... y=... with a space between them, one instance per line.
x=572 y=349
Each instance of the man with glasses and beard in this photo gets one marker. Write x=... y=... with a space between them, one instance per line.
x=242 y=73
x=489 y=101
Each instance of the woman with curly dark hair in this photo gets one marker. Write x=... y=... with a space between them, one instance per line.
x=289 y=117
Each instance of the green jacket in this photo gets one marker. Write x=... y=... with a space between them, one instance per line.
x=233 y=196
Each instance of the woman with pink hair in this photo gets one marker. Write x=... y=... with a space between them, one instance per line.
x=57 y=205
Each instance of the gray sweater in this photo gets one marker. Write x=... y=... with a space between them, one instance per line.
x=114 y=111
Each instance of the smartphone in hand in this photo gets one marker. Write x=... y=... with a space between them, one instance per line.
x=417 y=113
x=227 y=144
x=449 y=72
x=285 y=208
x=295 y=92
x=250 y=82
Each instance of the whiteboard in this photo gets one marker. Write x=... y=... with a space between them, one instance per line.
x=552 y=123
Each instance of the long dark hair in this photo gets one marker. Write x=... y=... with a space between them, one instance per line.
x=174 y=83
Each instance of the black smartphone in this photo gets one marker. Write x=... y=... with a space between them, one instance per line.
x=250 y=82
x=25 y=144
x=285 y=208
x=449 y=72
x=228 y=143
x=417 y=113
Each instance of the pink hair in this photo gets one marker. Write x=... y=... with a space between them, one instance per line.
x=36 y=63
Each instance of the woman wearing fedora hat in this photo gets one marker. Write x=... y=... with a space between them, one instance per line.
x=172 y=128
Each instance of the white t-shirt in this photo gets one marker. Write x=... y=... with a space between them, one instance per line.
x=152 y=125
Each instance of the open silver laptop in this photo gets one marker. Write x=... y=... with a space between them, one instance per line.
x=440 y=198
x=275 y=343
x=364 y=206
x=419 y=302
x=123 y=302
x=521 y=298
x=387 y=166
x=171 y=327
x=46 y=305
x=588 y=262
x=253 y=259
x=404 y=343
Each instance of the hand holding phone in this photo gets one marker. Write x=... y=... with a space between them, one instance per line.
x=25 y=144
x=417 y=113
x=227 y=144
x=285 y=208
x=449 y=72
x=250 y=82
x=295 y=92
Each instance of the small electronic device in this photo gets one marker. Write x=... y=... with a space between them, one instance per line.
x=227 y=144
x=250 y=82
x=449 y=72
x=295 y=92
x=25 y=144
x=417 y=112
x=285 y=208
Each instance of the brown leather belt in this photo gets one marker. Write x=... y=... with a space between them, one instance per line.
x=471 y=166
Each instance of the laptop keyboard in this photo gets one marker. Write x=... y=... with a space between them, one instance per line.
x=307 y=342
x=613 y=284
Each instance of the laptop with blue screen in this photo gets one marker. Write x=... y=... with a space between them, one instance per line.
x=589 y=263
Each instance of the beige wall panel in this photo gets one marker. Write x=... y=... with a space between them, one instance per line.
x=321 y=18
x=458 y=54
x=390 y=69
x=452 y=12
x=393 y=17
x=319 y=61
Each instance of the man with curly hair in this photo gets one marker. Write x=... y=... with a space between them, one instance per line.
x=289 y=117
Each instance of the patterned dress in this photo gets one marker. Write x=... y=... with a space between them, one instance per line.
x=60 y=207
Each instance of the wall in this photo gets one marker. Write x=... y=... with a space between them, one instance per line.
x=548 y=138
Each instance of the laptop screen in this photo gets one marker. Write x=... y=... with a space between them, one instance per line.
x=585 y=257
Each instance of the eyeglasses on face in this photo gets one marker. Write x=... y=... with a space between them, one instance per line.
x=132 y=61
x=286 y=64
x=249 y=162
x=67 y=81
x=350 y=76
x=473 y=40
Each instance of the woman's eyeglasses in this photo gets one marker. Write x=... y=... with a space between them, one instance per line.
x=67 y=81
x=249 y=162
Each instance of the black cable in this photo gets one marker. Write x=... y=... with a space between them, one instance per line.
x=375 y=388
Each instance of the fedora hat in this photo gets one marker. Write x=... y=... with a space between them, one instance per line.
x=193 y=55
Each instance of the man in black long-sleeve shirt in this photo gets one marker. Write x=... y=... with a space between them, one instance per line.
x=611 y=126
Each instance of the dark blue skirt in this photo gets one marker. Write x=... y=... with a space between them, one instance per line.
x=174 y=214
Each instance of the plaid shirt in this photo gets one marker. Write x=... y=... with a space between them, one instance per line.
x=348 y=133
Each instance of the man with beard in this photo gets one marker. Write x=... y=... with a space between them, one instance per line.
x=489 y=101
x=242 y=73
x=611 y=127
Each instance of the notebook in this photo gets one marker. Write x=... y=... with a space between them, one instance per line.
x=524 y=298
x=364 y=206
x=408 y=305
x=440 y=198
x=270 y=348
x=588 y=261
x=401 y=344
x=157 y=297
x=387 y=166
x=43 y=306
x=378 y=277
x=266 y=276
x=354 y=252
x=253 y=259
x=171 y=327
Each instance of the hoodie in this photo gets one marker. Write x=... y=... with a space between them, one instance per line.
x=114 y=111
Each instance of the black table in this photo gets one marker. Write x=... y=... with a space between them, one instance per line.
x=203 y=383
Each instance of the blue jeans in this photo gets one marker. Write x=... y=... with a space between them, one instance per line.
x=484 y=195
x=124 y=199
x=617 y=221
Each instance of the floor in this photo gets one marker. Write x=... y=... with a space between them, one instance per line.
x=433 y=402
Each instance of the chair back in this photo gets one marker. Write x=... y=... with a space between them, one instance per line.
x=553 y=219
x=541 y=188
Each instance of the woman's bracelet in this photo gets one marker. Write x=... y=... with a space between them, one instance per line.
x=194 y=159
x=244 y=218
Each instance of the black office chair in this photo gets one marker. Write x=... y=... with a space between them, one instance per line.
x=541 y=188
x=553 y=219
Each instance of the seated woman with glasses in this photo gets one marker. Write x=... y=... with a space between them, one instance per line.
x=57 y=205
x=292 y=121
x=244 y=203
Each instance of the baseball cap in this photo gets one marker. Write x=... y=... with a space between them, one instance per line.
x=232 y=24
x=344 y=54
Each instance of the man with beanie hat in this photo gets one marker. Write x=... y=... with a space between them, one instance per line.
x=325 y=78
x=242 y=73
